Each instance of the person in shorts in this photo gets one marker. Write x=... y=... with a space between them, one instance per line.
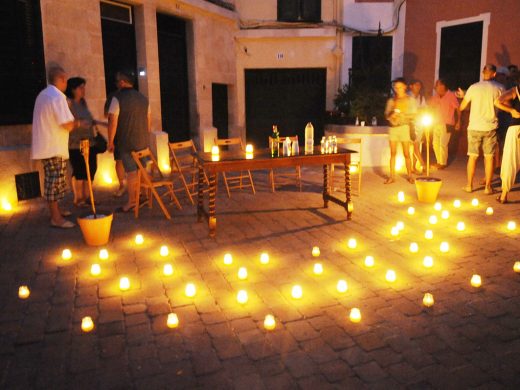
x=482 y=125
x=129 y=119
x=400 y=111
x=52 y=122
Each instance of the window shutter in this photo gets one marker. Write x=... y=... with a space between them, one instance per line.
x=311 y=10
x=288 y=10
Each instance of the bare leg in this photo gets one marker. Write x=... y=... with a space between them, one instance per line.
x=417 y=153
x=472 y=163
x=56 y=216
x=406 y=153
x=393 y=149
x=121 y=175
x=489 y=164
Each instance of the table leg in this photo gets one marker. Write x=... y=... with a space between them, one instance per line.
x=200 y=194
x=212 y=220
x=348 y=200
x=325 y=186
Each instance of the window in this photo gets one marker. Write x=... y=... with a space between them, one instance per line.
x=22 y=66
x=299 y=10
x=372 y=62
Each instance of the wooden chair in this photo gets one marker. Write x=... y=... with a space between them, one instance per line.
x=149 y=183
x=184 y=163
x=297 y=174
x=235 y=179
x=355 y=165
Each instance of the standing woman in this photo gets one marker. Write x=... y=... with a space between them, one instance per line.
x=416 y=129
x=509 y=102
x=78 y=106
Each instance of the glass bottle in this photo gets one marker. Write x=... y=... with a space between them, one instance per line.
x=309 y=138
x=275 y=142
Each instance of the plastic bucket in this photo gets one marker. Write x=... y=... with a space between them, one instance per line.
x=96 y=231
x=427 y=188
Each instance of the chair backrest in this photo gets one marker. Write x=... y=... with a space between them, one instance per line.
x=229 y=142
x=352 y=141
x=183 y=154
x=140 y=157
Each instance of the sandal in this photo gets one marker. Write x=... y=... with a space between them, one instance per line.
x=64 y=225
x=500 y=200
x=389 y=180
x=410 y=180
x=467 y=189
x=121 y=209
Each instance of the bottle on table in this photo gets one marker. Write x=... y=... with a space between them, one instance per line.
x=275 y=142
x=374 y=121
x=309 y=138
x=287 y=146
x=295 y=147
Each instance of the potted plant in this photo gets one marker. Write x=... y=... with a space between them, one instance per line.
x=427 y=187
x=95 y=227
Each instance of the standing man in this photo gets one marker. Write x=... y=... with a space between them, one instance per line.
x=52 y=122
x=128 y=117
x=482 y=125
x=445 y=104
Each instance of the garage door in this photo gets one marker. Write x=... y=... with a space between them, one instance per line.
x=288 y=98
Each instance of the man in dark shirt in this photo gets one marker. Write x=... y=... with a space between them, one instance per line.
x=128 y=117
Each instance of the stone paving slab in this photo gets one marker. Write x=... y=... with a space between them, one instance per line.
x=469 y=338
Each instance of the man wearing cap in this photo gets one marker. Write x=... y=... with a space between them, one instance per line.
x=482 y=124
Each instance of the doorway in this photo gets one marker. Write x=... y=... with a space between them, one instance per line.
x=288 y=98
x=118 y=36
x=173 y=70
x=219 y=98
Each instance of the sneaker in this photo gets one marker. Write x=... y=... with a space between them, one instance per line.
x=120 y=192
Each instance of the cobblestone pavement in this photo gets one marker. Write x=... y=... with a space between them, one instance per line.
x=469 y=338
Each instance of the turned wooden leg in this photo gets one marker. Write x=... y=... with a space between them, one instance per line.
x=200 y=194
x=212 y=220
x=325 y=186
x=348 y=200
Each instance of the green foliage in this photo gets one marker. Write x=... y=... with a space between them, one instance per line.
x=363 y=102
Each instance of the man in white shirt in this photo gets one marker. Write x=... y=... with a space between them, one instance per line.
x=52 y=122
x=482 y=125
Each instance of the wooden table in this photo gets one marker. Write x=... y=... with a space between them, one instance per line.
x=236 y=161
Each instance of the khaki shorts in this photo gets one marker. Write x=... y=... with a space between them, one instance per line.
x=399 y=133
x=486 y=139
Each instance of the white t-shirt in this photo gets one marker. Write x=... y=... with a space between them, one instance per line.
x=49 y=138
x=482 y=95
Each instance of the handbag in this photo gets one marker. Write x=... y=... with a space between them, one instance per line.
x=100 y=144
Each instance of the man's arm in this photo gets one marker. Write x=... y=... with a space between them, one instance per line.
x=112 y=128
x=502 y=102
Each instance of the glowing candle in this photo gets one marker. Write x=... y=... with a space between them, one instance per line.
x=461 y=226
x=394 y=231
x=87 y=324
x=476 y=281
x=352 y=243
x=297 y=292
x=353 y=168
x=399 y=225
x=139 y=239
x=264 y=258
x=428 y=234
x=433 y=219
x=414 y=248
x=95 y=269
x=164 y=251
x=445 y=214
x=249 y=148
x=190 y=290
x=242 y=297
x=444 y=247
x=438 y=206
x=242 y=273
x=103 y=254
x=124 y=283
x=315 y=251
x=474 y=202
x=355 y=315
x=23 y=292
x=269 y=322
x=428 y=300
x=428 y=261
x=342 y=286
x=173 y=321
x=516 y=267
x=489 y=211
x=215 y=153
x=249 y=156
x=318 y=269
x=6 y=206
x=66 y=254
x=228 y=259
x=369 y=261
x=411 y=210
x=511 y=225
x=167 y=269
x=400 y=196
x=456 y=203
x=390 y=276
